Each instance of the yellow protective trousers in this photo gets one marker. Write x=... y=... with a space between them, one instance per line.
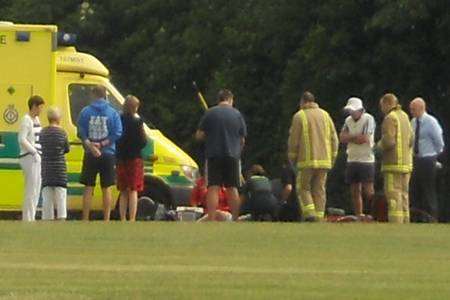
x=312 y=192
x=396 y=190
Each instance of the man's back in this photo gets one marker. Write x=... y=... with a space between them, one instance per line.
x=397 y=140
x=224 y=128
x=99 y=122
x=313 y=139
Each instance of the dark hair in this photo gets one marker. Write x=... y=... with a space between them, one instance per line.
x=257 y=170
x=224 y=95
x=35 y=101
x=308 y=97
x=99 y=91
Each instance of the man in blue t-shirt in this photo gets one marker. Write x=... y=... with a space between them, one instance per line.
x=99 y=127
x=223 y=130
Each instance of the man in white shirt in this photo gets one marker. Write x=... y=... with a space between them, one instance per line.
x=358 y=133
x=30 y=156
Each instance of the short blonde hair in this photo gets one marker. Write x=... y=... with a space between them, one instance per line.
x=389 y=99
x=53 y=114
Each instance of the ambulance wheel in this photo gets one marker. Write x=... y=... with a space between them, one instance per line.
x=158 y=192
x=146 y=209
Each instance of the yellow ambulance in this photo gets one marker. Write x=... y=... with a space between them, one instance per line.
x=39 y=60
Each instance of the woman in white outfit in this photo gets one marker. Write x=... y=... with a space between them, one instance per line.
x=30 y=156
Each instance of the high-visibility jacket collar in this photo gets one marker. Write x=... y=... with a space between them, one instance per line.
x=395 y=108
x=309 y=105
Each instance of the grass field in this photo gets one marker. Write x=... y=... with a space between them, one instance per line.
x=76 y=260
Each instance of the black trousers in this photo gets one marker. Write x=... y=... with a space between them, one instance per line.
x=422 y=188
x=261 y=204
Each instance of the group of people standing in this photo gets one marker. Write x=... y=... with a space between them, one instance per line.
x=109 y=139
x=406 y=147
x=113 y=145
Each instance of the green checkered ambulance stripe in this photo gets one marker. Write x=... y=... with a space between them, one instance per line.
x=148 y=167
x=74 y=187
x=173 y=180
x=9 y=145
x=9 y=164
x=149 y=149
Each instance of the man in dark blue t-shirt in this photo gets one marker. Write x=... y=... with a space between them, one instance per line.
x=224 y=130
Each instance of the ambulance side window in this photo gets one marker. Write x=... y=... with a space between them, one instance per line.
x=80 y=96
x=113 y=101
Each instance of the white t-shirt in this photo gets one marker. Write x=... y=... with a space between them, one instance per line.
x=365 y=125
x=30 y=129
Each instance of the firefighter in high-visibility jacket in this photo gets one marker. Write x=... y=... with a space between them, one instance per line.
x=396 y=146
x=312 y=147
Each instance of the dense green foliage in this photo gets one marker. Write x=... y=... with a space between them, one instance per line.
x=149 y=260
x=266 y=52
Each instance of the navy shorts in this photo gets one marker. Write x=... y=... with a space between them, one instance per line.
x=103 y=165
x=359 y=172
x=223 y=171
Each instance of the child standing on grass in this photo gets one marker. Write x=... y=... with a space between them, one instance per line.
x=130 y=166
x=54 y=170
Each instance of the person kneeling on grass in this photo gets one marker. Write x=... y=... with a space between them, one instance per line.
x=55 y=145
x=130 y=167
x=258 y=199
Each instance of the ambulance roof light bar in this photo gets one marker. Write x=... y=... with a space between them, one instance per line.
x=66 y=39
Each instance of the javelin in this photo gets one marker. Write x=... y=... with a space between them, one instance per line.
x=200 y=96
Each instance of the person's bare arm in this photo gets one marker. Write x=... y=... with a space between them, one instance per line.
x=242 y=142
x=286 y=192
x=94 y=148
x=200 y=135
x=361 y=139
x=345 y=138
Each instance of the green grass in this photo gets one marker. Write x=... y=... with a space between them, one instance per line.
x=76 y=260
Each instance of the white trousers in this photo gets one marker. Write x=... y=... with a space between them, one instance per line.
x=54 y=196
x=32 y=175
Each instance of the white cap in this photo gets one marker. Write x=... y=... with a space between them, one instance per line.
x=354 y=104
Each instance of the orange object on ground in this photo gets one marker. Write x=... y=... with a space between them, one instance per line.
x=198 y=196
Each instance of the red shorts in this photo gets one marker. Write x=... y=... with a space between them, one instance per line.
x=130 y=175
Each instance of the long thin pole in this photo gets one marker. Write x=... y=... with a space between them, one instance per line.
x=200 y=96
